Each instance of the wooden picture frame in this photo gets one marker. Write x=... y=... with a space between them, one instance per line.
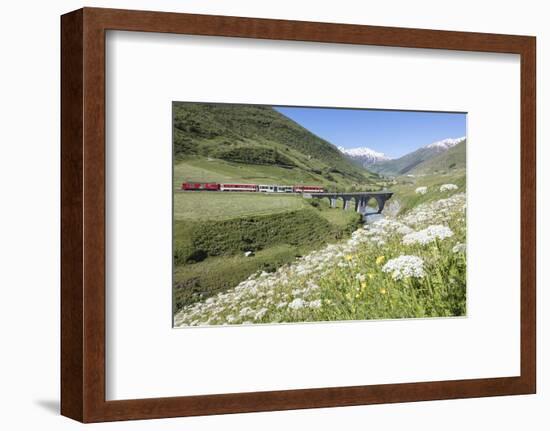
x=83 y=334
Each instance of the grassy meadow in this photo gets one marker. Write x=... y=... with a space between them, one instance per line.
x=410 y=266
x=227 y=205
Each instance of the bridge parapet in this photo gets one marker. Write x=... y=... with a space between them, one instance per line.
x=361 y=199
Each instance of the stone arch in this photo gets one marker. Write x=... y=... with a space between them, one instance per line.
x=343 y=199
x=349 y=202
x=372 y=204
x=382 y=199
x=360 y=202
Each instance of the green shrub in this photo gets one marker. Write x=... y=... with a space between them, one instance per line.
x=197 y=240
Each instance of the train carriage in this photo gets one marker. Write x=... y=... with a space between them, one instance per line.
x=308 y=189
x=285 y=189
x=239 y=187
x=274 y=188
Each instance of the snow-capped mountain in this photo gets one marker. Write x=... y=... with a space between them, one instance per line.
x=363 y=155
x=445 y=144
x=412 y=161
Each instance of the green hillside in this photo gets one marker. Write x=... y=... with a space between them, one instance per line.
x=413 y=162
x=259 y=139
x=453 y=159
x=203 y=169
x=405 y=164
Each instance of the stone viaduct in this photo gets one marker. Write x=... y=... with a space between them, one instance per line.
x=360 y=198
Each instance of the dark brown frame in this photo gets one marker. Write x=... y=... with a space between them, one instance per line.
x=83 y=214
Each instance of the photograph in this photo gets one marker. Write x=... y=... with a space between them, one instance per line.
x=306 y=214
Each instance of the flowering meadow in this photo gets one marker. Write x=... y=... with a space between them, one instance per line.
x=409 y=266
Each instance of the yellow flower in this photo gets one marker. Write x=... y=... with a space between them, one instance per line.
x=371 y=276
x=363 y=285
x=357 y=296
x=349 y=257
x=383 y=291
x=380 y=260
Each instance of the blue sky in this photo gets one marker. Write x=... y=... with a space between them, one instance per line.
x=394 y=133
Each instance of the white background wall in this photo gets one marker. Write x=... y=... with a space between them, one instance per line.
x=29 y=220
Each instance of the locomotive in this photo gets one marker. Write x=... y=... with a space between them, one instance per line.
x=200 y=186
x=263 y=188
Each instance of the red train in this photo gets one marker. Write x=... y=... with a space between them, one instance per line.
x=264 y=188
x=308 y=189
x=200 y=186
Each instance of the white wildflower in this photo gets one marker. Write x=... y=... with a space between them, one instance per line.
x=311 y=286
x=245 y=311
x=459 y=248
x=428 y=235
x=260 y=314
x=404 y=230
x=405 y=266
x=315 y=304
x=296 y=304
x=440 y=211
x=421 y=190
x=448 y=187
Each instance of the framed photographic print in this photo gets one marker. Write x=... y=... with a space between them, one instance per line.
x=267 y=215
x=322 y=240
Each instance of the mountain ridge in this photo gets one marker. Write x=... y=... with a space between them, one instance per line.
x=454 y=158
x=364 y=156
x=446 y=143
x=411 y=161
